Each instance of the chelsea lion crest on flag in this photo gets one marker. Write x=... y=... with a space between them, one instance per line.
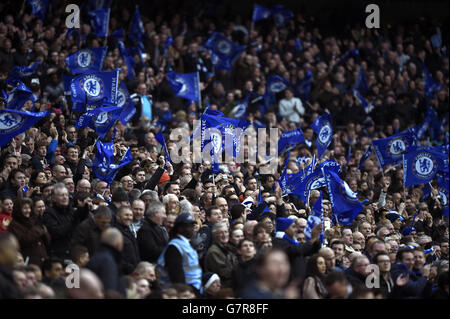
x=10 y=122
x=85 y=58
x=424 y=165
x=93 y=86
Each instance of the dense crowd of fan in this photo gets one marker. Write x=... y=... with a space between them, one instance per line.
x=56 y=213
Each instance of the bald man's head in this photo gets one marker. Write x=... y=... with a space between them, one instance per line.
x=90 y=287
x=112 y=237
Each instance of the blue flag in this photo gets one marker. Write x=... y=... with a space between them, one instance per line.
x=104 y=166
x=127 y=59
x=303 y=86
x=167 y=44
x=227 y=127
x=349 y=153
x=434 y=126
x=66 y=81
x=361 y=82
x=137 y=29
x=344 y=201
x=92 y=5
x=276 y=84
x=347 y=55
x=100 y=21
x=390 y=150
x=21 y=72
x=161 y=140
x=368 y=107
x=124 y=101
x=118 y=34
x=18 y=96
x=443 y=188
x=240 y=110
x=260 y=13
x=185 y=85
x=100 y=119
x=315 y=218
x=421 y=164
x=95 y=88
x=281 y=16
x=223 y=51
x=290 y=139
x=431 y=85
x=39 y=8
x=365 y=156
x=14 y=122
x=426 y=192
x=324 y=130
x=89 y=59
x=298 y=45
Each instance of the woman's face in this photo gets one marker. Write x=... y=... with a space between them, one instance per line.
x=41 y=178
x=26 y=210
x=39 y=207
x=8 y=206
x=321 y=266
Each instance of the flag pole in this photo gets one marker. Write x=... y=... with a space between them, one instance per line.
x=199 y=92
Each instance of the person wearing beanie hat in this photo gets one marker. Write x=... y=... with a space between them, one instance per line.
x=211 y=285
x=285 y=239
x=179 y=262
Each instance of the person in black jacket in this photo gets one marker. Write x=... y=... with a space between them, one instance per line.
x=244 y=271
x=61 y=221
x=130 y=252
x=296 y=252
x=89 y=231
x=152 y=237
x=105 y=263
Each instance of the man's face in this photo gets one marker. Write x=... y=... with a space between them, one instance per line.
x=330 y=259
x=174 y=189
x=251 y=184
x=408 y=260
x=301 y=224
x=359 y=238
x=222 y=235
x=378 y=248
x=419 y=259
x=159 y=216
x=19 y=179
x=72 y=154
x=71 y=134
x=236 y=236
x=291 y=230
x=59 y=172
x=366 y=229
x=127 y=183
x=69 y=184
x=384 y=263
x=223 y=205
x=361 y=266
x=125 y=217
x=347 y=237
x=84 y=186
x=170 y=221
x=56 y=271
x=216 y=216
x=102 y=222
x=444 y=249
x=138 y=209
x=61 y=197
x=12 y=163
x=140 y=176
x=338 y=251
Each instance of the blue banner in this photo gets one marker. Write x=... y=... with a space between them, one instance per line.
x=421 y=164
x=315 y=218
x=361 y=82
x=365 y=156
x=431 y=85
x=289 y=140
x=137 y=29
x=19 y=95
x=89 y=59
x=390 y=150
x=100 y=22
x=95 y=88
x=104 y=166
x=161 y=140
x=303 y=86
x=443 y=188
x=281 y=16
x=368 y=107
x=14 y=122
x=124 y=101
x=21 y=72
x=185 y=85
x=101 y=119
x=260 y=13
x=227 y=127
x=39 y=8
x=344 y=201
x=324 y=130
x=223 y=51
